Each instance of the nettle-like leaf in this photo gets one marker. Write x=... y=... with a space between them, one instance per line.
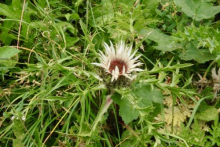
x=127 y=111
x=198 y=9
x=191 y=52
x=164 y=42
x=137 y=102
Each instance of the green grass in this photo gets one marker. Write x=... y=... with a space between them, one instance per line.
x=51 y=94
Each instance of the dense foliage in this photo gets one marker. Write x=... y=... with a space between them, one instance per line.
x=51 y=94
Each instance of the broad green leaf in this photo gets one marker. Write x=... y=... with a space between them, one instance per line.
x=78 y=3
x=198 y=9
x=148 y=94
x=5 y=36
x=208 y=114
x=71 y=16
x=193 y=53
x=164 y=41
x=66 y=26
x=9 y=11
x=16 y=4
x=7 y=52
x=70 y=41
x=126 y=111
x=138 y=102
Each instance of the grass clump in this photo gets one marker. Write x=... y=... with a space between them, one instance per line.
x=52 y=95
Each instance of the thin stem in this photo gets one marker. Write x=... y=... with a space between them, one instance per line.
x=105 y=105
x=208 y=69
x=19 y=30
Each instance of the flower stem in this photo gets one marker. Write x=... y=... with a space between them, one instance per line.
x=105 y=105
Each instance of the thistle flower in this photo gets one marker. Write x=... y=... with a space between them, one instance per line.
x=119 y=61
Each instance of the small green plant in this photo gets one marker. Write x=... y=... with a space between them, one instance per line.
x=109 y=73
